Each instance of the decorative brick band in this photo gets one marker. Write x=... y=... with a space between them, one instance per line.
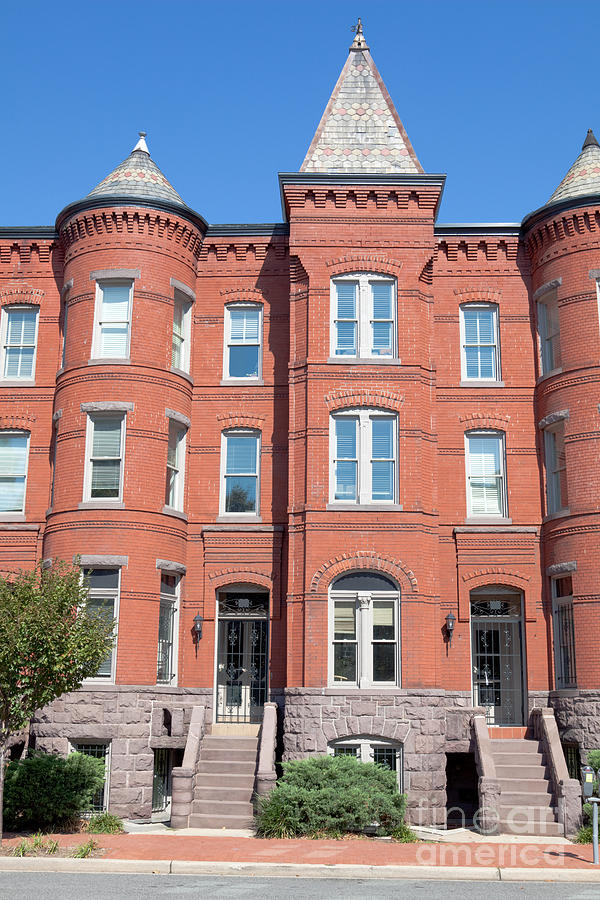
x=19 y=423
x=343 y=399
x=363 y=262
x=560 y=568
x=477 y=295
x=242 y=294
x=91 y=561
x=485 y=574
x=554 y=417
x=167 y=565
x=494 y=420
x=177 y=416
x=363 y=559
x=240 y=420
x=107 y=406
x=235 y=575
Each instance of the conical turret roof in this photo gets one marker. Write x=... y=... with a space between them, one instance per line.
x=138 y=177
x=360 y=130
x=583 y=178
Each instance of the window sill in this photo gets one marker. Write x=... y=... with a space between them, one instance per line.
x=101 y=504
x=239 y=518
x=171 y=511
x=12 y=517
x=549 y=374
x=487 y=520
x=234 y=382
x=182 y=374
x=559 y=514
x=480 y=383
x=364 y=507
x=17 y=382
x=109 y=361
x=364 y=360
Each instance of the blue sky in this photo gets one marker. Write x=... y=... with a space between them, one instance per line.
x=499 y=95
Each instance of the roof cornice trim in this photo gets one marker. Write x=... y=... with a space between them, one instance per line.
x=47 y=232
x=551 y=209
x=511 y=229
x=90 y=203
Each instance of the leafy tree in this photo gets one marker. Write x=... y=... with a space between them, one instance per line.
x=50 y=640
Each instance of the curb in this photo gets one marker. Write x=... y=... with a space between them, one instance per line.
x=296 y=870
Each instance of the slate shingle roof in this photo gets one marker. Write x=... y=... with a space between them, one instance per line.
x=583 y=177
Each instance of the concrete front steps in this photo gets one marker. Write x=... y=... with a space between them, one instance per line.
x=526 y=799
x=225 y=781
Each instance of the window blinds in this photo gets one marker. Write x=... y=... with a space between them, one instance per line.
x=13 y=470
x=19 y=350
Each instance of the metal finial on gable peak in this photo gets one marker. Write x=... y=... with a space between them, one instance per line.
x=359 y=42
x=141 y=144
x=590 y=140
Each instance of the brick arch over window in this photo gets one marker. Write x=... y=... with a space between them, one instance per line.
x=240 y=420
x=21 y=296
x=373 y=398
x=242 y=295
x=360 y=726
x=16 y=423
x=477 y=420
x=486 y=577
x=364 y=262
x=233 y=576
x=364 y=559
x=477 y=295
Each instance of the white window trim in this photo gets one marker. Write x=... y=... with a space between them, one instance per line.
x=97 y=332
x=74 y=745
x=493 y=307
x=184 y=299
x=553 y=504
x=364 y=637
x=64 y=346
x=114 y=593
x=550 y=298
x=364 y=347
x=179 y=492
x=87 y=474
x=176 y=601
x=365 y=745
x=232 y=432
x=501 y=435
x=556 y=603
x=252 y=379
x=364 y=449
x=16 y=512
x=6 y=310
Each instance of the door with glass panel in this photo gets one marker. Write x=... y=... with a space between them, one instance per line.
x=242 y=656
x=497 y=655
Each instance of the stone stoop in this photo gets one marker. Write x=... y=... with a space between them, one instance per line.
x=526 y=798
x=225 y=776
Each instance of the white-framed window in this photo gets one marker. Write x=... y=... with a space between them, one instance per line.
x=240 y=472
x=371 y=750
x=18 y=335
x=556 y=468
x=363 y=315
x=64 y=346
x=105 y=450
x=364 y=625
x=480 y=346
x=180 y=346
x=364 y=456
x=175 y=465
x=549 y=332
x=103 y=600
x=243 y=342
x=564 y=631
x=113 y=317
x=99 y=750
x=14 y=452
x=168 y=629
x=486 y=482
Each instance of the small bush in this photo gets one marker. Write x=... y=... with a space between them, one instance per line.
x=330 y=795
x=593 y=758
x=36 y=845
x=85 y=850
x=404 y=835
x=584 y=835
x=45 y=790
x=104 y=823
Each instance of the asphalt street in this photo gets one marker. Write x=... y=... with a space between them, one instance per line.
x=65 y=886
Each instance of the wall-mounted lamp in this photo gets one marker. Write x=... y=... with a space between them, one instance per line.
x=198 y=622
x=450 y=622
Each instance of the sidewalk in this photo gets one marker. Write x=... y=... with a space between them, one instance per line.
x=219 y=853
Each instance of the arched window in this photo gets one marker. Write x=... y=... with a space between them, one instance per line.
x=363 y=315
x=364 y=631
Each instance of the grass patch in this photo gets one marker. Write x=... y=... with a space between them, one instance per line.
x=85 y=850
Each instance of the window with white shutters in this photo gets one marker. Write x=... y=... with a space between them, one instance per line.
x=486 y=489
x=556 y=468
x=363 y=457
x=480 y=357
x=19 y=336
x=104 y=464
x=113 y=317
x=363 y=316
x=243 y=342
x=14 y=447
x=240 y=455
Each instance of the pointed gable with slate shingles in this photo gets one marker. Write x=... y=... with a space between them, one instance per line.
x=360 y=131
x=583 y=178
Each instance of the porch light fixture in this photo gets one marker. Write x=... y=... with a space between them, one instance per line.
x=198 y=621
x=450 y=622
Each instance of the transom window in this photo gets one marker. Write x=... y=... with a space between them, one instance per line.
x=363 y=316
x=556 y=468
x=480 y=357
x=19 y=335
x=103 y=600
x=104 y=469
x=549 y=332
x=113 y=317
x=486 y=487
x=243 y=338
x=166 y=666
x=14 y=447
x=371 y=750
x=240 y=454
x=175 y=465
x=364 y=631
x=564 y=631
x=363 y=457
x=180 y=345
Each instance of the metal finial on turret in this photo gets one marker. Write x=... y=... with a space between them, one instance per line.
x=359 y=42
x=590 y=140
x=141 y=144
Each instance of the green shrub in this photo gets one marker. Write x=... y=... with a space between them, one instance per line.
x=330 y=795
x=105 y=823
x=45 y=790
x=593 y=758
x=404 y=835
x=584 y=835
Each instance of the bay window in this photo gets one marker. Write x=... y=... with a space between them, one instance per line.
x=113 y=318
x=556 y=468
x=166 y=665
x=549 y=332
x=180 y=344
x=175 y=465
x=104 y=457
x=103 y=601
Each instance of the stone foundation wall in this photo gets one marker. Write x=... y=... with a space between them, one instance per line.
x=578 y=718
x=131 y=718
x=428 y=723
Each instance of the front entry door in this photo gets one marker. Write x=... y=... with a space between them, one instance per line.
x=498 y=659
x=241 y=658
